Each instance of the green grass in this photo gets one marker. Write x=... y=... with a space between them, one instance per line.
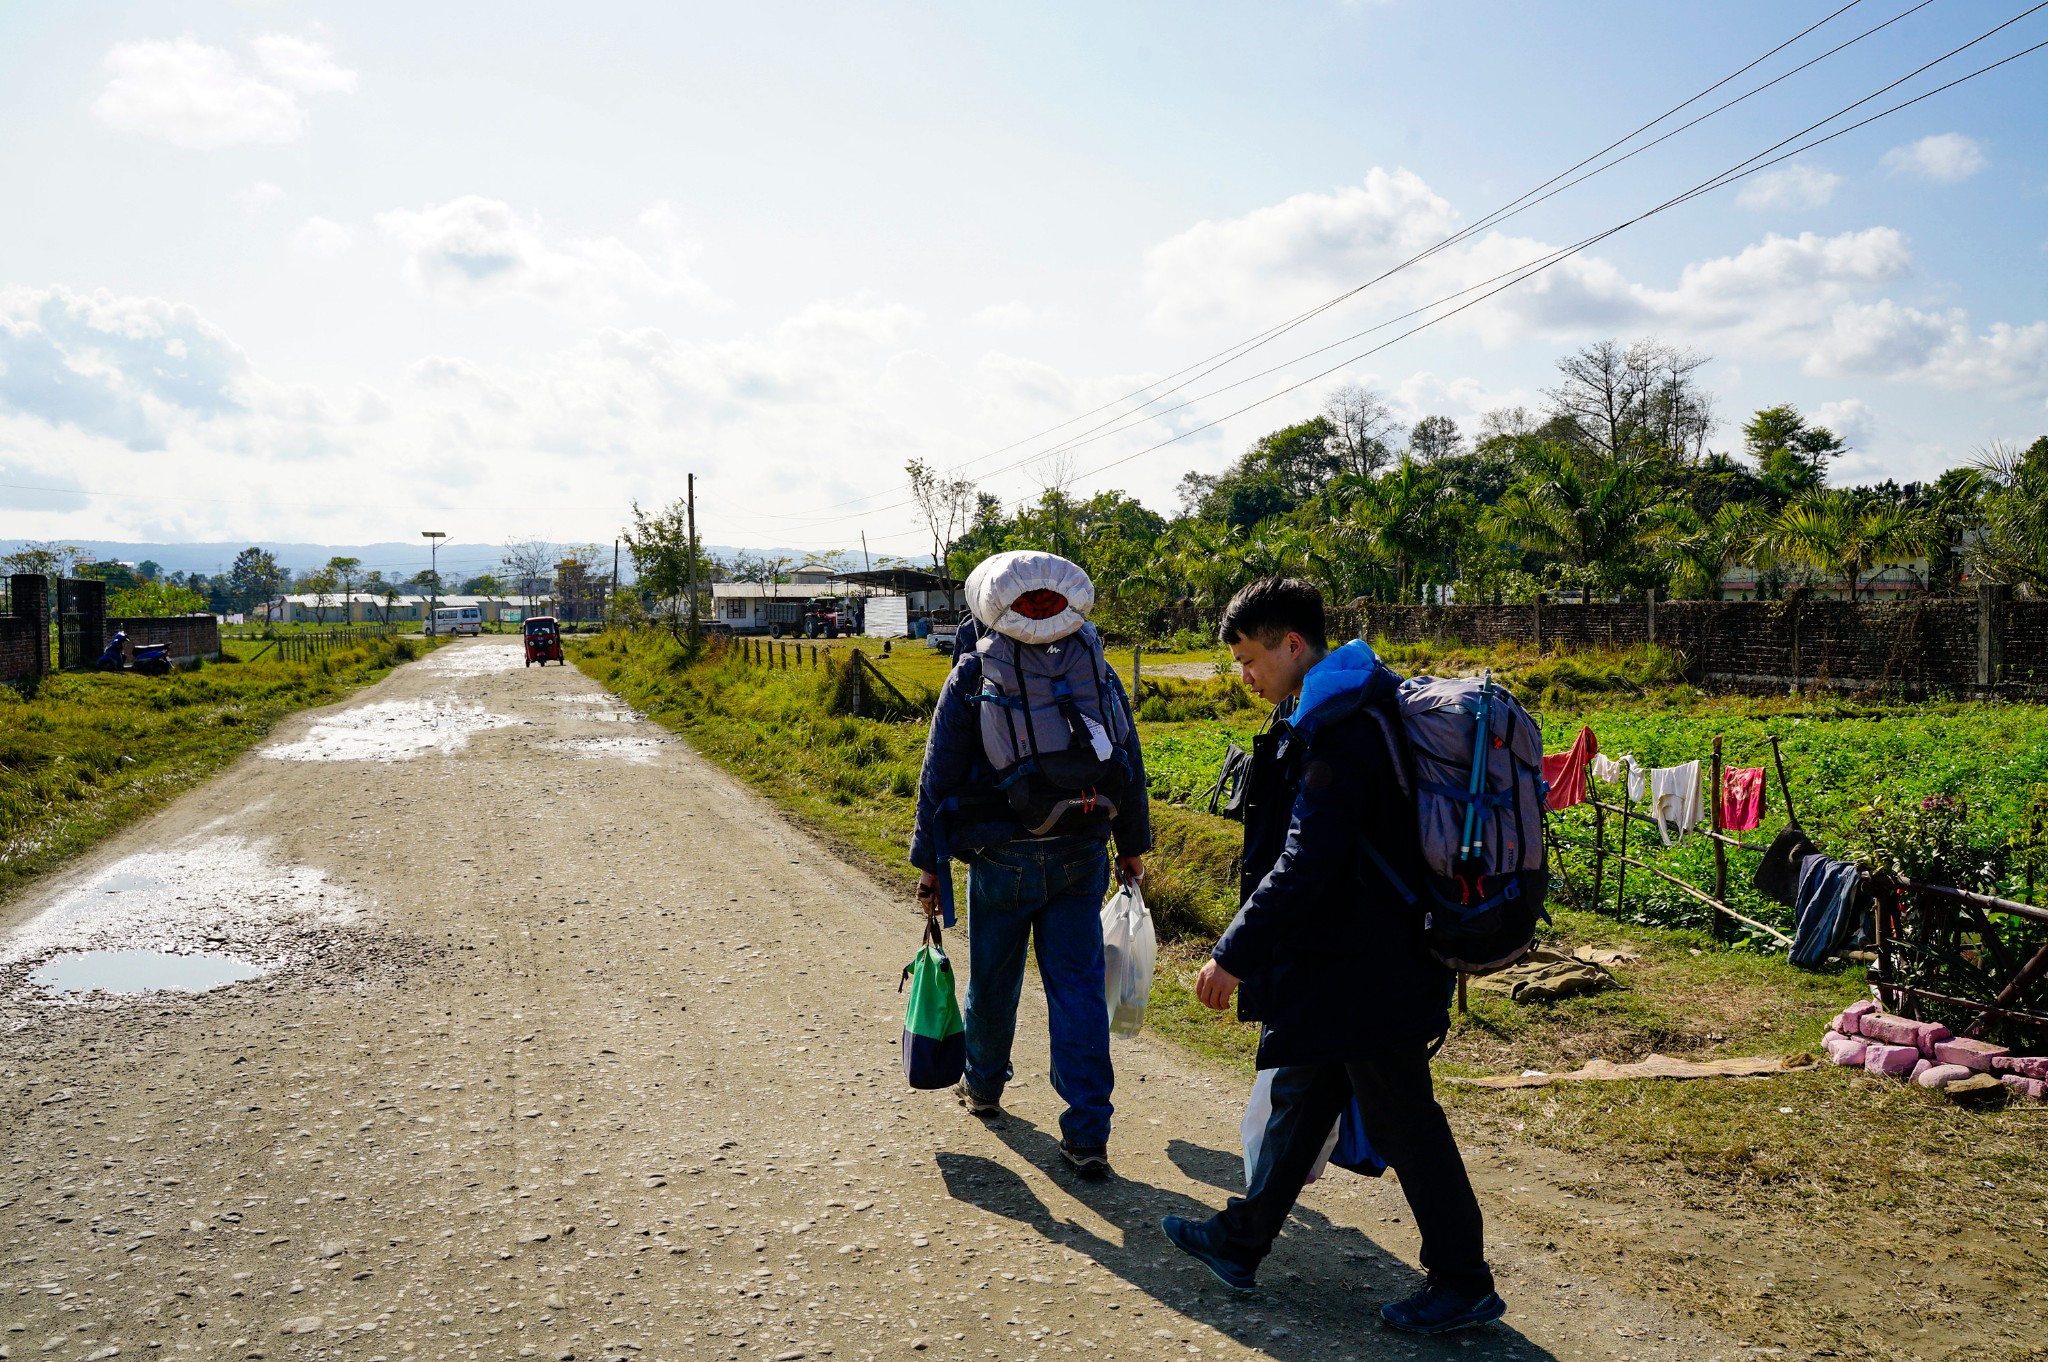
x=83 y=753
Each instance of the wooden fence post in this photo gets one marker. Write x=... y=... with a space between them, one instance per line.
x=1720 y=923
x=855 y=662
x=1599 y=854
x=1621 y=865
x=1784 y=785
x=1137 y=672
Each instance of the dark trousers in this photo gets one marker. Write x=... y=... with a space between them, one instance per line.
x=1407 y=1129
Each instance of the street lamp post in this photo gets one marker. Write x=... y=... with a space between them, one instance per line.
x=433 y=538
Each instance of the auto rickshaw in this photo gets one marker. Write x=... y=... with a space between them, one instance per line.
x=543 y=641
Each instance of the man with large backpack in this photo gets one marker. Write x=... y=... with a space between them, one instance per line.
x=1031 y=768
x=1327 y=953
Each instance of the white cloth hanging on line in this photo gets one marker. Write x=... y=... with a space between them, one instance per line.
x=1675 y=800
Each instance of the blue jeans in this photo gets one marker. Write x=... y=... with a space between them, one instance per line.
x=1050 y=891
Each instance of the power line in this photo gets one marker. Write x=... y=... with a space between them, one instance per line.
x=1740 y=170
x=1512 y=208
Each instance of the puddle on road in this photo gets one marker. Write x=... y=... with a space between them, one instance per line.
x=640 y=751
x=477 y=659
x=225 y=893
x=391 y=731
x=601 y=708
x=140 y=972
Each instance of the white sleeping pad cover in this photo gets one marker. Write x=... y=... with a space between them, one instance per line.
x=994 y=585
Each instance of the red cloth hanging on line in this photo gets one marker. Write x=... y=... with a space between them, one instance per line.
x=1742 y=798
x=1565 y=772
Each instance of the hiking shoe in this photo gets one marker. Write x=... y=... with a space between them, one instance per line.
x=1434 y=1310
x=1089 y=1160
x=975 y=1102
x=1192 y=1237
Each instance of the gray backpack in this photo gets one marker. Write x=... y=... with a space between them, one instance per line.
x=1053 y=729
x=1472 y=760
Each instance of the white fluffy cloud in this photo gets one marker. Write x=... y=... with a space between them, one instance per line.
x=1945 y=158
x=259 y=197
x=1797 y=185
x=118 y=367
x=1008 y=316
x=1307 y=245
x=322 y=239
x=472 y=249
x=191 y=95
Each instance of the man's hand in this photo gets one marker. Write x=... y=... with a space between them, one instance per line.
x=927 y=889
x=1130 y=869
x=1214 y=985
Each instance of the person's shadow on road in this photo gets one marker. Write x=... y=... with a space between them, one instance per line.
x=1320 y=1271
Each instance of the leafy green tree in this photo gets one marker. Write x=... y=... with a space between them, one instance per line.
x=1598 y=516
x=118 y=576
x=254 y=577
x=155 y=598
x=2012 y=547
x=661 y=549
x=149 y=569
x=1434 y=439
x=1701 y=551
x=1791 y=455
x=1278 y=473
x=346 y=572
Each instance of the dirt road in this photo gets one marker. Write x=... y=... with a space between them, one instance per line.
x=564 y=1045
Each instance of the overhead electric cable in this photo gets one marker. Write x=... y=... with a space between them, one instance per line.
x=1741 y=170
x=1513 y=207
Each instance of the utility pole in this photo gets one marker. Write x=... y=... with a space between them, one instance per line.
x=693 y=558
x=615 y=579
x=865 y=561
x=434 y=538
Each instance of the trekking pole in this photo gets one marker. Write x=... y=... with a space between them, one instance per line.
x=1478 y=768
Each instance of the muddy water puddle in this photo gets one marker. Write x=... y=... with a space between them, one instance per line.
x=477 y=659
x=139 y=972
x=393 y=730
x=640 y=751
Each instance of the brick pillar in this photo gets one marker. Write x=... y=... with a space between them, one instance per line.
x=31 y=597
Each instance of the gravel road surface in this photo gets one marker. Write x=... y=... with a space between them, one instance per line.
x=562 y=1044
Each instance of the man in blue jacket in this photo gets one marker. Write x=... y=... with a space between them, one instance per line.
x=1326 y=955
x=1044 y=891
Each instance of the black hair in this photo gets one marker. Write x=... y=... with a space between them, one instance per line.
x=1272 y=608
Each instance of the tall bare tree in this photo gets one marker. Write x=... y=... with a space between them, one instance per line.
x=528 y=563
x=1633 y=401
x=947 y=505
x=1363 y=430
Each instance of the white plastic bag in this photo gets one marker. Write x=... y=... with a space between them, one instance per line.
x=1258 y=1112
x=1129 y=949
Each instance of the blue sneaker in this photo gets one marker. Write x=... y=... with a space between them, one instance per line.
x=1434 y=1310
x=1192 y=1238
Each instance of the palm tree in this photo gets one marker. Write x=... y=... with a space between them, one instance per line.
x=2013 y=545
x=1830 y=532
x=1597 y=516
x=1701 y=551
x=1401 y=520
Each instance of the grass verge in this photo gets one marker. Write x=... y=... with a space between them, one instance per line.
x=83 y=753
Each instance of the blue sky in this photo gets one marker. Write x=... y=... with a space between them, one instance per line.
x=285 y=270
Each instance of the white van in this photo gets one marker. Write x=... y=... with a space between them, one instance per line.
x=459 y=619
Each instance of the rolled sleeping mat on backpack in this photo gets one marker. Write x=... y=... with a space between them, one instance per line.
x=1014 y=594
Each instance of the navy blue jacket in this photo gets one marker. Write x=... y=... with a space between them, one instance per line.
x=955 y=768
x=1329 y=953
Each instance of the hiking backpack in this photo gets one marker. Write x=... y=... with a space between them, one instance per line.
x=1052 y=729
x=1471 y=759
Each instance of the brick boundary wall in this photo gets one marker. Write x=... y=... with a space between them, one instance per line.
x=1988 y=646
x=25 y=633
x=189 y=636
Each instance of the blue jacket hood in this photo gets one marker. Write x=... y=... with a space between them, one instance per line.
x=1345 y=670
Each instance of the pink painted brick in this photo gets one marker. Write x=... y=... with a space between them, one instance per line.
x=2026 y=1087
x=1847 y=1051
x=2026 y=1066
x=1845 y=1024
x=1920 y=1066
x=1895 y=1061
x=1973 y=1054
x=1883 y=1026
x=1931 y=1035
x=1939 y=1075
x=1859 y=1007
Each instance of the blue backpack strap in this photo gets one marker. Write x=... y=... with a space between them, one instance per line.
x=1386 y=869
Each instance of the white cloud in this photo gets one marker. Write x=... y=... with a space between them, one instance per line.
x=1851 y=418
x=322 y=239
x=1008 y=316
x=1797 y=185
x=472 y=248
x=119 y=367
x=191 y=95
x=1308 y=245
x=1945 y=158
x=1891 y=340
x=259 y=197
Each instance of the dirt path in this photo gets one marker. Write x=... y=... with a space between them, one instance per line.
x=569 y=1047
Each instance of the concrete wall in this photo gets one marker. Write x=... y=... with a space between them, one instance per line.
x=1987 y=645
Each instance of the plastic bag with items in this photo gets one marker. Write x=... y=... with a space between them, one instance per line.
x=1130 y=948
